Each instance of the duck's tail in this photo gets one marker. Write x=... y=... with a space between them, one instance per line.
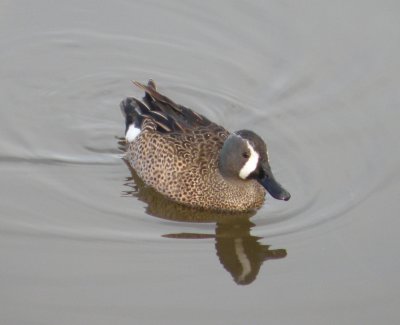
x=130 y=108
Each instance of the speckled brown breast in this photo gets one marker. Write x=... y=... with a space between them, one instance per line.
x=184 y=167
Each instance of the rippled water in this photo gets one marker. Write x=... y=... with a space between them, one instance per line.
x=82 y=241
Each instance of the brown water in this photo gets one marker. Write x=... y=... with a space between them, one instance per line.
x=82 y=243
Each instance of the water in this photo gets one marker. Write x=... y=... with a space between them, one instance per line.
x=81 y=242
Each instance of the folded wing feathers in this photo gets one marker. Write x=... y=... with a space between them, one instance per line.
x=159 y=107
x=157 y=96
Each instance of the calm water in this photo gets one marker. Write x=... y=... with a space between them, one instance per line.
x=83 y=242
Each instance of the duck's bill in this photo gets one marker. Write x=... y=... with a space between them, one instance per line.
x=273 y=187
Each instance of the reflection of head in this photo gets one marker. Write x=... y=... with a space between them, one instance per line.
x=240 y=253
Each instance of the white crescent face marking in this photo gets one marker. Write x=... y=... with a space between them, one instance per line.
x=251 y=164
x=132 y=133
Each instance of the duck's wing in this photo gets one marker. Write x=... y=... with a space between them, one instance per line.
x=168 y=115
x=136 y=112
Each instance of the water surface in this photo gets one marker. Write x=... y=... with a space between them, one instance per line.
x=82 y=242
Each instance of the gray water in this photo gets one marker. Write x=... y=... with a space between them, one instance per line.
x=82 y=242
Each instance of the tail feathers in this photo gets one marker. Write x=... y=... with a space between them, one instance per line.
x=131 y=108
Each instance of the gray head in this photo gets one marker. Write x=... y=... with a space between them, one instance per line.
x=244 y=156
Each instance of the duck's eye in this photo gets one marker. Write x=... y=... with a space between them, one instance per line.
x=245 y=155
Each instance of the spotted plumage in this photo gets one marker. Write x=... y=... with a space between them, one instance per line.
x=192 y=160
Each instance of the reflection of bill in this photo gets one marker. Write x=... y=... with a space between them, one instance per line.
x=240 y=253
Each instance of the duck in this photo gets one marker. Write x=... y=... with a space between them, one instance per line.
x=194 y=161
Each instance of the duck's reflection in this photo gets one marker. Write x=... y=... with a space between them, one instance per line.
x=240 y=253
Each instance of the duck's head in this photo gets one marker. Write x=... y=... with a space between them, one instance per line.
x=244 y=156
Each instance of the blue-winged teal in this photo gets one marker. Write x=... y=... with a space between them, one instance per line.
x=194 y=161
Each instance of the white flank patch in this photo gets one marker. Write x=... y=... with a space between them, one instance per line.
x=251 y=164
x=132 y=133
